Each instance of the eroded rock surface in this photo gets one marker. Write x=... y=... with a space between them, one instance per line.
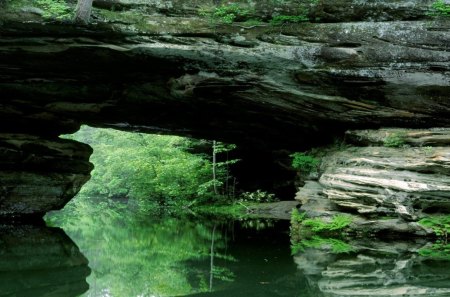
x=401 y=183
x=164 y=67
x=40 y=174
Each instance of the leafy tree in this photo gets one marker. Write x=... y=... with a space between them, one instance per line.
x=152 y=170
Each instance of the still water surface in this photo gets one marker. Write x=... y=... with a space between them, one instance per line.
x=137 y=254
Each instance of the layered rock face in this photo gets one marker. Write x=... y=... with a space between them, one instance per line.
x=402 y=183
x=40 y=174
x=165 y=67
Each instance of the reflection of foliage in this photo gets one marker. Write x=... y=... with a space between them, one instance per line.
x=440 y=250
x=223 y=274
x=304 y=233
x=257 y=224
x=337 y=246
x=124 y=247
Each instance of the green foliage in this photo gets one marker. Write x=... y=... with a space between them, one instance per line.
x=146 y=169
x=55 y=9
x=440 y=250
x=396 y=139
x=337 y=223
x=319 y=225
x=51 y=9
x=234 y=211
x=301 y=16
x=304 y=162
x=439 y=223
x=440 y=8
x=297 y=217
x=227 y=14
x=252 y=22
x=288 y=19
x=258 y=196
x=337 y=246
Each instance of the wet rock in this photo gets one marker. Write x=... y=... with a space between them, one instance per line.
x=40 y=261
x=39 y=174
x=369 y=183
x=275 y=210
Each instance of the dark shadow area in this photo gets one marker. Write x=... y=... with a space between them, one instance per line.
x=39 y=261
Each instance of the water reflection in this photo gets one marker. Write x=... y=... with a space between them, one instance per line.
x=376 y=269
x=39 y=261
x=134 y=254
x=137 y=254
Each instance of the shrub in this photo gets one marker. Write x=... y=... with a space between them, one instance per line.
x=396 y=139
x=304 y=162
x=227 y=13
x=440 y=8
x=284 y=19
x=439 y=223
x=258 y=196
x=56 y=9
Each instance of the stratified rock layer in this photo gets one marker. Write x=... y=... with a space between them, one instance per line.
x=164 y=67
x=40 y=174
x=403 y=183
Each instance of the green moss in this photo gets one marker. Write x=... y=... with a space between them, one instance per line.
x=284 y=19
x=302 y=14
x=438 y=251
x=51 y=9
x=395 y=139
x=337 y=223
x=319 y=225
x=440 y=9
x=439 y=223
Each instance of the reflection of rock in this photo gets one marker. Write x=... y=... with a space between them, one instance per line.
x=40 y=261
x=375 y=270
x=39 y=174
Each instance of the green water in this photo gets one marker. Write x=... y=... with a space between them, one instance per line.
x=112 y=250
x=183 y=255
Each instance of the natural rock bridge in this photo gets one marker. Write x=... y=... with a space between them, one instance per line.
x=290 y=86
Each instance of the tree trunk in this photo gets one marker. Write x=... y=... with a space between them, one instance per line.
x=214 y=168
x=83 y=11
